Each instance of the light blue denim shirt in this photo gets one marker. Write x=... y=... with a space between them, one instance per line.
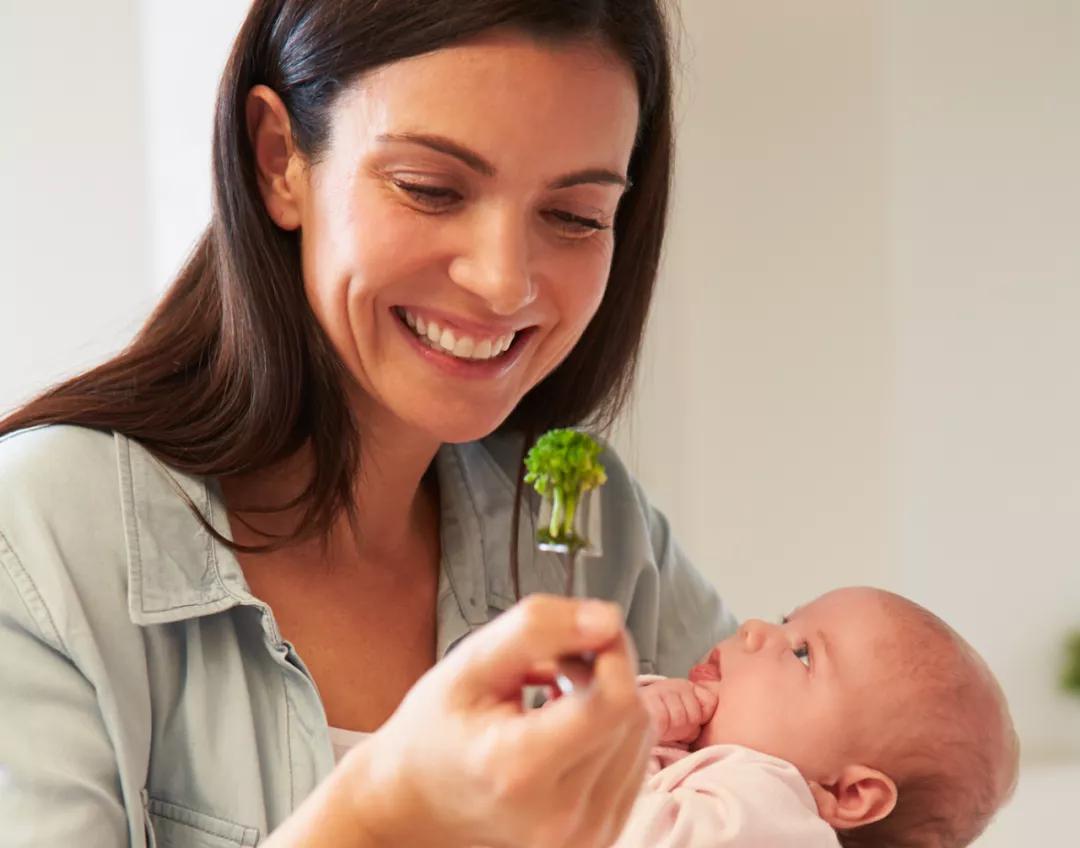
x=147 y=698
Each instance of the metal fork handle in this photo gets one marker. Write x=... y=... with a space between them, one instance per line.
x=574 y=671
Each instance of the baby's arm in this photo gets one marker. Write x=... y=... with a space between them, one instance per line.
x=726 y=796
x=678 y=708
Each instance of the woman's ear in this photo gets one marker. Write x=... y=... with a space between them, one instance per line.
x=859 y=795
x=279 y=167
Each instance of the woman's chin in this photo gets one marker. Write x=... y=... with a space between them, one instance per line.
x=456 y=426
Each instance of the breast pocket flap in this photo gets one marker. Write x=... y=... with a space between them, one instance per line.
x=177 y=826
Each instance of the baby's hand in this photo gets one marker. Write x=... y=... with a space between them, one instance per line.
x=678 y=708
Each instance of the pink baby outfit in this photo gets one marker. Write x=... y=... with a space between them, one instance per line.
x=724 y=796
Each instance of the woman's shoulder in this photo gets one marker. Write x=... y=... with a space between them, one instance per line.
x=61 y=521
x=59 y=471
x=79 y=505
x=45 y=454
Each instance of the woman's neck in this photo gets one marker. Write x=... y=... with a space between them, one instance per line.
x=396 y=500
x=395 y=496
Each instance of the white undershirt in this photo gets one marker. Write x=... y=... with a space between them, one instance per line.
x=344 y=740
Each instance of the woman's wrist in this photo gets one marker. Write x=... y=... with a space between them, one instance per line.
x=359 y=805
x=385 y=802
x=375 y=796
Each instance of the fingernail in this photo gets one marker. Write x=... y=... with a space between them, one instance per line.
x=597 y=618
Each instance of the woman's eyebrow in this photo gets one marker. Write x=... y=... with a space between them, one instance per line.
x=441 y=144
x=592 y=175
x=478 y=163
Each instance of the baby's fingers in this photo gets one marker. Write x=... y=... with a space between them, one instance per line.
x=708 y=702
x=678 y=710
x=658 y=715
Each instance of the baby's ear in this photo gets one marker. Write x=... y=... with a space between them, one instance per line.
x=859 y=795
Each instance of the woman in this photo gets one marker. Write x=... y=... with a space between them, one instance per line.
x=435 y=233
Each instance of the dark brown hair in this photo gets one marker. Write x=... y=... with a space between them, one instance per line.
x=231 y=373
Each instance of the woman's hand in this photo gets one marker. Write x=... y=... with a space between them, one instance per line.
x=678 y=708
x=461 y=763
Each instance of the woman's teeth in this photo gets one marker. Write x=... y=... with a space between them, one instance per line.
x=460 y=346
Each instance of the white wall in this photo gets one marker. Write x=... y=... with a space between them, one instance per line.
x=105 y=152
x=770 y=449
x=184 y=47
x=73 y=225
x=985 y=211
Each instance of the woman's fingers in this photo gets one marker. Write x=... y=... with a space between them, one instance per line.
x=573 y=728
x=497 y=766
x=536 y=631
x=624 y=795
x=604 y=788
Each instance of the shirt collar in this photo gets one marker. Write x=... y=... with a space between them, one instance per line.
x=177 y=570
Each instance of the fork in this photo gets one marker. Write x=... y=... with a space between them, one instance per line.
x=574 y=671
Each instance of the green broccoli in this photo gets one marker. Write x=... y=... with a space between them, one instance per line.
x=563 y=466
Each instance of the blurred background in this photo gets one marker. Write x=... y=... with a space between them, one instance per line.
x=864 y=361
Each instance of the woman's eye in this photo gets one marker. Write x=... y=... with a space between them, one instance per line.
x=433 y=197
x=575 y=225
x=802 y=653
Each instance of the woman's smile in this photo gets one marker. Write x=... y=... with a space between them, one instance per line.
x=460 y=351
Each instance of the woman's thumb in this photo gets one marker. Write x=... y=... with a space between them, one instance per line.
x=539 y=629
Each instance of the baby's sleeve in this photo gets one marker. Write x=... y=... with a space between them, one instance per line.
x=722 y=797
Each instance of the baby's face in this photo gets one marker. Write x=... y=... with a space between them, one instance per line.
x=807 y=690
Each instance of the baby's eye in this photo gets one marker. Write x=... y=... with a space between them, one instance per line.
x=802 y=653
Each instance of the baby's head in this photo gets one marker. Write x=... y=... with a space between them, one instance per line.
x=896 y=723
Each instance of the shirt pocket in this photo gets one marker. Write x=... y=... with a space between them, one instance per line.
x=175 y=826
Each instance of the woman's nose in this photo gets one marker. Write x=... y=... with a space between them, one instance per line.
x=496 y=264
x=754 y=634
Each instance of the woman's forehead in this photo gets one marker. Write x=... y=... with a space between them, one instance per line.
x=509 y=97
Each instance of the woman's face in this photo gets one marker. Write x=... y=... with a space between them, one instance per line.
x=457 y=232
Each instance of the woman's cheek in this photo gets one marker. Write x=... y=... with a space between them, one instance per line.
x=591 y=269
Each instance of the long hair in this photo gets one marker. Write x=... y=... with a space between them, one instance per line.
x=231 y=373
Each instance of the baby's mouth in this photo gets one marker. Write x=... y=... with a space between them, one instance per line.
x=708 y=670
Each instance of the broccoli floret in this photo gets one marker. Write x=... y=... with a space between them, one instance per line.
x=563 y=466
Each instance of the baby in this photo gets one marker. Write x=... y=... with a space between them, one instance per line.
x=861 y=720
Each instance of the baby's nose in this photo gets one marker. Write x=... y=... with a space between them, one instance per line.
x=754 y=634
